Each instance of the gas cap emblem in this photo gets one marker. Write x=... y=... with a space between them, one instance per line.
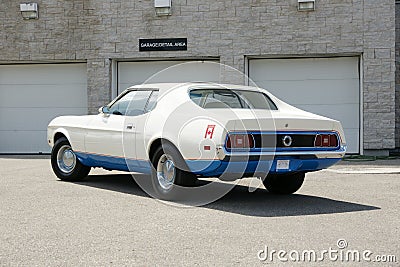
x=287 y=140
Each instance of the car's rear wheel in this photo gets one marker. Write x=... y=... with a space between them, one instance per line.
x=284 y=183
x=167 y=177
x=65 y=164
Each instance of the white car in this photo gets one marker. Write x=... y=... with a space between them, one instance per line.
x=179 y=132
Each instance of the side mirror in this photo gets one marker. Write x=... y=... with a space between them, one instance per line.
x=104 y=110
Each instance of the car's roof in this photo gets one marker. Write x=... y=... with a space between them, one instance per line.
x=163 y=87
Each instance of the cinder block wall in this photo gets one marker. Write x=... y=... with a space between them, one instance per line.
x=397 y=94
x=96 y=31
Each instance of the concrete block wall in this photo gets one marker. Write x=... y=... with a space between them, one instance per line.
x=397 y=88
x=98 y=31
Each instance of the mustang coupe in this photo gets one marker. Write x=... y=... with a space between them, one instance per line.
x=177 y=133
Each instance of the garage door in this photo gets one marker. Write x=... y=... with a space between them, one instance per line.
x=132 y=73
x=31 y=96
x=325 y=86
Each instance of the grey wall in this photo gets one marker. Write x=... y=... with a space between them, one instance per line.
x=397 y=95
x=98 y=30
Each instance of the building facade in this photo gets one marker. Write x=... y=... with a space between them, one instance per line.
x=337 y=60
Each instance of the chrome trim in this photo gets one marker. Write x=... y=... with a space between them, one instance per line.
x=287 y=141
x=166 y=172
x=66 y=159
x=336 y=154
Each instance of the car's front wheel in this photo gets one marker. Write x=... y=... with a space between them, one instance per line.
x=284 y=183
x=168 y=179
x=65 y=164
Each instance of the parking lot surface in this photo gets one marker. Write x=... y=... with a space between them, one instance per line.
x=108 y=220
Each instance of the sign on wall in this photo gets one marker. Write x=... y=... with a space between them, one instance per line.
x=170 y=44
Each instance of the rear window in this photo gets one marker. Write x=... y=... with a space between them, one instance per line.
x=226 y=98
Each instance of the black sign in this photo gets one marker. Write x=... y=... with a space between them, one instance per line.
x=171 y=44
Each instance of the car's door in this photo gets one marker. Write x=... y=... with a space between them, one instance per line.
x=136 y=113
x=112 y=132
x=142 y=134
x=105 y=132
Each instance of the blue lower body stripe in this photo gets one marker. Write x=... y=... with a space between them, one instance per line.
x=114 y=163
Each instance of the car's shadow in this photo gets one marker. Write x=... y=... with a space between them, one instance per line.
x=240 y=201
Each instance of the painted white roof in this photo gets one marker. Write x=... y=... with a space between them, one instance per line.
x=163 y=87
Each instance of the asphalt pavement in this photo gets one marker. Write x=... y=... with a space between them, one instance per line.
x=108 y=220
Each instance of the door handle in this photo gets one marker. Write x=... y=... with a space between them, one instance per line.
x=130 y=127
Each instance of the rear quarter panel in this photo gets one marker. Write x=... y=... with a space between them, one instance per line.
x=183 y=123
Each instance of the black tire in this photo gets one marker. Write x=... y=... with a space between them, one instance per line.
x=75 y=171
x=171 y=189
x=284 y=184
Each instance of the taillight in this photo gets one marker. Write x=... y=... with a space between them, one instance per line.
x=240 y=141
x=326 y=140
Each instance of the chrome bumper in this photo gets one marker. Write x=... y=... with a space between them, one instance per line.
x=336 y=154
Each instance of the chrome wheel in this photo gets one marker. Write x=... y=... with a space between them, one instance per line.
x=166 y=172
x=66 y=159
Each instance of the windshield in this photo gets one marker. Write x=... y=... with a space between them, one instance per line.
x=226 y=98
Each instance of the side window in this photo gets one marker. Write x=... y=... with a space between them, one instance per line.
x=152 y=101
x=138 y=103
x=198 y=96
x=119 y=107
x=131 y=104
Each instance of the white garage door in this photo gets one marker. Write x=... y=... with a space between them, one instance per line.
x=31 y=96
x=132 y=73
x=326 y=86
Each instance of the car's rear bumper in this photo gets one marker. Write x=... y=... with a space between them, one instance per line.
x=240 y=168
x=264 y=163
